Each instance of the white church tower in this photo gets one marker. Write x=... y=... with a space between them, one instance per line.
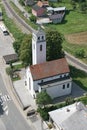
x=38 y=47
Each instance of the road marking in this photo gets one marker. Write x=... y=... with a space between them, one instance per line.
x=5 y=98
x=6 y=109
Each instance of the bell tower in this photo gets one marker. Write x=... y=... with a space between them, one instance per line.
x=38 y=47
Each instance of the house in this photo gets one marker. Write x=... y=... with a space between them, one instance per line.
x=56 y=14
x=28 y=2
x=43 y=3
x=38 y=11
x=56 y=18
x=72 y=117
x=0 y=14
x=52 y=76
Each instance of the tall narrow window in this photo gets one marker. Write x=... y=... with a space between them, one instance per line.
x=42 y=37
x=68 y=85
x=63 y=86
x=29 y=84
x=40 y=47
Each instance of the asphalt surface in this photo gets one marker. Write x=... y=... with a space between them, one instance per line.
x=12 y=119
x=21 y=21
x=76 y=62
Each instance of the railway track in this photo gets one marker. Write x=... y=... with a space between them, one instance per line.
x=19 y=19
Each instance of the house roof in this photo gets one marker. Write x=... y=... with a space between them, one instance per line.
x=36 y=7
x=72 y=117
x=42 y=3
x=49 y=69
x=10 y=57
x=56 y=9
x=29 y=2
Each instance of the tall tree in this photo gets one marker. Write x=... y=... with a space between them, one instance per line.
x=43 y=98
x=54 y=45
x=26 y=50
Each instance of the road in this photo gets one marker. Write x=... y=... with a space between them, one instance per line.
x=76 y=62
x=13 y=119
x=23 y=25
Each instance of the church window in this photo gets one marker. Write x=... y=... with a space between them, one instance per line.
x=29 y=84
x=63 y=86
x=40 y=47
x=42 y=37
x=68 y=85
x=38 y=38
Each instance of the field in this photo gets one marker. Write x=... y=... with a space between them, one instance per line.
x=77 y=38
x=74 y=29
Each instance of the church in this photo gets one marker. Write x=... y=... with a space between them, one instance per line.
x=50 y=76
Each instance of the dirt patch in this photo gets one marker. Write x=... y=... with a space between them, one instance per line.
x=77 y=38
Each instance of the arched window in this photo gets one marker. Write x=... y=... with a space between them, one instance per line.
x=40 y=47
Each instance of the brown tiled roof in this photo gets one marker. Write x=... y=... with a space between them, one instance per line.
x=49 y=69
x=42 y=3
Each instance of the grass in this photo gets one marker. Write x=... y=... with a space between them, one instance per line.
x=79 y=77
x=10 y=24
x=33 y=25
x=13 y=72
x=74 y=22
x=72 y=48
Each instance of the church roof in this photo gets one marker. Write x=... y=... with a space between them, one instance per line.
x=49 y=69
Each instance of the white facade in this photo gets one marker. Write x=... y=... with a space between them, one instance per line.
x=61 y=87
x=38 y=47
x=39 y=77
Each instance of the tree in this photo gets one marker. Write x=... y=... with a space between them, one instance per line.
x=17 y=43
x=26 y=50
x=33 y=18
x=83 y=7
x=73 y=3
x=43 y=98
x=54 y=45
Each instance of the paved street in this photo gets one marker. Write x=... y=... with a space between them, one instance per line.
x=12 y=119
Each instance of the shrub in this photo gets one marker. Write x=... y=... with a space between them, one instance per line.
x=33 y=18
x=80 y=53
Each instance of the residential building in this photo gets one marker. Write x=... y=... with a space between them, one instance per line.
x=51 y=76
x=38 y=11
x=56 y=15
x=28 y=2
x=72 y=117
x=43 y=4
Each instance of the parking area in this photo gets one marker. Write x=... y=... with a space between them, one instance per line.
x=6 y=46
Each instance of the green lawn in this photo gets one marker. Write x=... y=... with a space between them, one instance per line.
x=72 y=48
x=79 y=77
x=10 y=24
x=74 y=22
